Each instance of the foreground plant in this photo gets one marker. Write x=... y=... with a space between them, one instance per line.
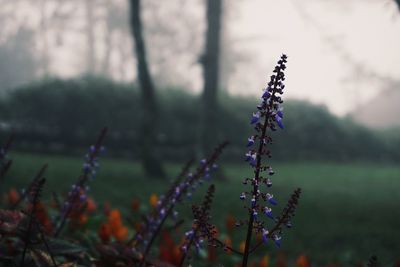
x=38 y=239
x=268 y=118
x=182 y=187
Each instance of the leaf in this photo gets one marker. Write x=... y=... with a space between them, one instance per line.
x=68 y=264
x=62 y=247
x=9 y=221
x=41 y=258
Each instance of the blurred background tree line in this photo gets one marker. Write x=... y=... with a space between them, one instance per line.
x=154 y=118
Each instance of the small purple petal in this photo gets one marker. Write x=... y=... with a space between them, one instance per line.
x=250 y=141
x=272 y=201
x=266 y=94
x=279 y=121
x=264 y=235
x=255 y=117
x=277 y=240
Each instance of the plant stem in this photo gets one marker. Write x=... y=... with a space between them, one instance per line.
x=257 y=173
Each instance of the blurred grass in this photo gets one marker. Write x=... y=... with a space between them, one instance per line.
x=347 y=212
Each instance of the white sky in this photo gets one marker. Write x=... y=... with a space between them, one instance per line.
x=318 y=37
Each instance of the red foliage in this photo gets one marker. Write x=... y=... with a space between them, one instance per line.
x=303 y=261
x=169 y=251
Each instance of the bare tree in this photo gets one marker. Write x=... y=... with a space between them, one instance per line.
x=150 y=159
x=210 y=61
x=91 y=41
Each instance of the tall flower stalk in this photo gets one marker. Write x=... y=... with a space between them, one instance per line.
x=189 y=183
x=200 y=225
x=268 y=117
x=77 y=196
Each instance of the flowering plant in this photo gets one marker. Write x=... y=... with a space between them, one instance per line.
x=38 y=240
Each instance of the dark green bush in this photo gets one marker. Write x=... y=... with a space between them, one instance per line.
x=55 y=115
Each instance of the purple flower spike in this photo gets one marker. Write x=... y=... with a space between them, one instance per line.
x=255 y=117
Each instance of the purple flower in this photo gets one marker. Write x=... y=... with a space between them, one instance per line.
x=268 y=212
x=242 y=196
x=266 y=94
x=265 y=235
x=253 y=160
x=279 y=113
x=255 y=213
x=271 y=199
x=256 y=116
x=250 y=141
x=279 y=121
x=277 y=240
x=82 y=197
x=248 y=155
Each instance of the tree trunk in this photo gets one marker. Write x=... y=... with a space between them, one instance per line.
x=44 y=60
x=91 y=47
x=210 y=62
x=148 y=138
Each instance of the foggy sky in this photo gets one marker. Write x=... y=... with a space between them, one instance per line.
x=340 y=52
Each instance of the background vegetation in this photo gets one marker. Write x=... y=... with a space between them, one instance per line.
x=134 y=66
x=62 y=116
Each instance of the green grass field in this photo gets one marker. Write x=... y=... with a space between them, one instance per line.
x=347 y=212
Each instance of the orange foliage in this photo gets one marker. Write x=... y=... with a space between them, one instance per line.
x=153 y=200
x=242 y=246
x=230 y=223
x=135 y=204
x=113 y=227
x=303 y=261
x=281 y=260
x=13 y=196
x=264 y=261
x=43 y=218
x=90 y=205
x=228 y=242
x=121 y=233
